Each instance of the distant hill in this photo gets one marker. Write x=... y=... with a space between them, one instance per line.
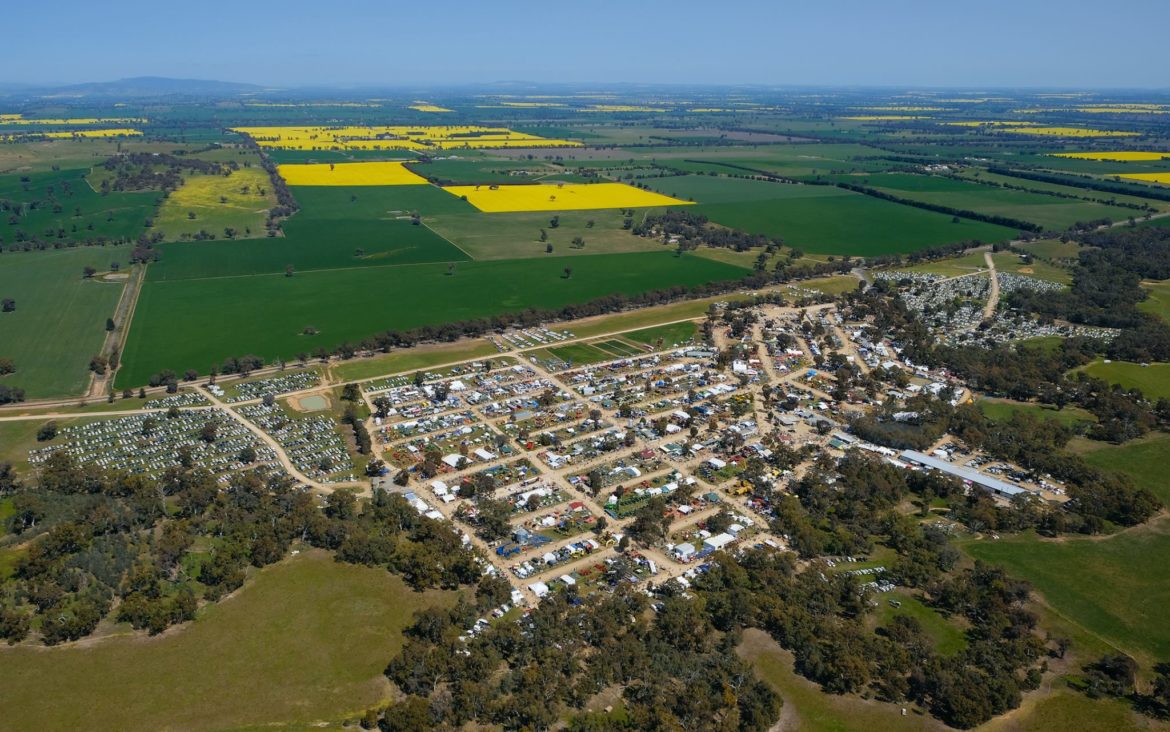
x=146 y=86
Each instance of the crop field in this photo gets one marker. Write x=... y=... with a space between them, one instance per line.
x=349 y=174
x=829 y=220
x=59 y=321
x=1159 y=178
x=1050 y=212
x=1066 y=132
x=1116 y=156
x=239 y=201
x=559 y=197
x=67 y=208
x=716 y=189
x=381 y=243
x=328 y=233
x=305 y=640
x=517 y=235
x=1072 y=190
x=396 y=138
x=269 y=313
x=343 y=204
x=791 y=161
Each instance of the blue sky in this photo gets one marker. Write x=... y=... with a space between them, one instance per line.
x=1000 y=43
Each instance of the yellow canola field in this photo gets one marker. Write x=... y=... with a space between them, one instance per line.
x=1066 y=132
x=429 y=108
x=1119 y=156
x=349 y=174
x=400 y=137
x=560 y=197
x=1162 y=178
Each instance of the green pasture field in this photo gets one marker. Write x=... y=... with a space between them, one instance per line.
x=1072 y=190
x=670 y=333
x=25 y=157
x=746 y=258
x=1116 y=588
x=1051 y=212
x=1158 y=303
x=517 y=235
x=1152 y=380
x=1143 y=459
x=1011 y=263
x=16 y=439
x=618 y=347
x=1003 y=409
x=117 y=215
x=60 y=318
x=304 y=642
x=948 y=637
x=1160 y=223
x=218 y=202
x=643 y=318
x=1052 y=249
x=580 y=354
x=834 y=285
x=953 y=267
x=830 y=220
x=194 y=323
x=409 y=360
